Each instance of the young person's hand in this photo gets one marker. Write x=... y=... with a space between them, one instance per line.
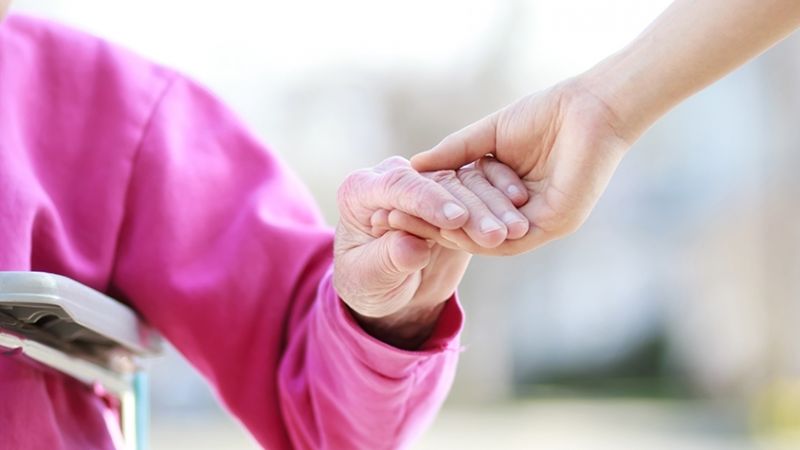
x=563 y=143
x=397 y=282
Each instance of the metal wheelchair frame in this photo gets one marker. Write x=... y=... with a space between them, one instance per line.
x=85 y=334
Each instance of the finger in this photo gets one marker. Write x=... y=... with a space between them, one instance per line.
x=399 y=220
x=404 y=189
x=386 y=265
x=405 y=253
x=497 y=202
x=379 y=221
x=462 y=147
x=482 y=226
x=504 y=178
x=535 y=238
x=462 y=241
x=392 y=162
x=380 y=217
x=383 y=221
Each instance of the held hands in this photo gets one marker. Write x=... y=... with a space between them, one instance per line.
x=396 y=282
x=565 y=144
x=517 y=179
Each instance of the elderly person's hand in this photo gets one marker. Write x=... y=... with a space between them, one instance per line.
x=395 y=282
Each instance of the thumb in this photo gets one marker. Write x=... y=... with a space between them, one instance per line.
x=395 y=255
x=381 y=273
x=462 y=147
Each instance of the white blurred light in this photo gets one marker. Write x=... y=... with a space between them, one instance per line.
x=213 y=39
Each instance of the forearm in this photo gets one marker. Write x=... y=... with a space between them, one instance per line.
x=691 y=45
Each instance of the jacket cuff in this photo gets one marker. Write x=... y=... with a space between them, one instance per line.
x=378 y=355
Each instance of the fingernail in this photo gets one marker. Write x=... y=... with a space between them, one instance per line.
x=488 y=225
x=513 y=190
x=452 y=211
x=511 y=217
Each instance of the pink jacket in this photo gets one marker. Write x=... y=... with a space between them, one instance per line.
x=137 y=182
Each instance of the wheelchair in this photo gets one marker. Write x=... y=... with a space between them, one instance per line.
x=78 y=331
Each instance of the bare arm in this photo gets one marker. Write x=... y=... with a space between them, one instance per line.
x=689 y=46
x=565 y=142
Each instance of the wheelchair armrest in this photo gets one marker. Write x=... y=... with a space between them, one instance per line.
x=73 y=318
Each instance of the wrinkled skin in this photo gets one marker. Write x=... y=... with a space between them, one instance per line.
x=394 y=281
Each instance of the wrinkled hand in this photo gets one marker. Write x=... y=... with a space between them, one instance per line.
x=563 y=143
x=396 y=282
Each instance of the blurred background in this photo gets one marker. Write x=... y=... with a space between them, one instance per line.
x=669 y=321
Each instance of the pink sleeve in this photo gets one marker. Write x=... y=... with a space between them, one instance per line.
x=222 y=250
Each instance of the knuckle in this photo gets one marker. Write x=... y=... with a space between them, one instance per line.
x=469 y=175
x=443 y=176
x=394 y=162
x=397 y=178
x=405 y=184
x=351 y=185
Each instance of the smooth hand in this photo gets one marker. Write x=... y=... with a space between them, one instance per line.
x=396 y=282
x=562 y=142
x=566 y=142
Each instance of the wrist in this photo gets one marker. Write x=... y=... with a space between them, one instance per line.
x=594 y=113
x=632 y=106
x=407 y=329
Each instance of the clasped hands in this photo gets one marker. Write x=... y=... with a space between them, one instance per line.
x=399 y=240
x=407 y=230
